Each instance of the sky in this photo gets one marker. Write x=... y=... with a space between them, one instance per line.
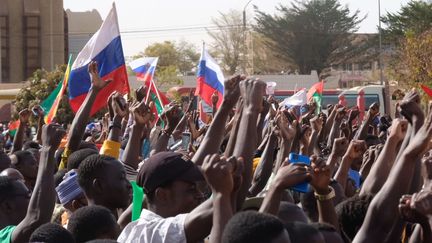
x=143 y=22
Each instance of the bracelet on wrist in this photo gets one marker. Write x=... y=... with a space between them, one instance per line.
x=328 y=196
x=114 y=125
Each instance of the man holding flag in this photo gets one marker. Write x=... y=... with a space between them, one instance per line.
x=145 y=68
x=105 y=49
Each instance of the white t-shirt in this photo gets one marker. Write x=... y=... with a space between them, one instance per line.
x=152 y=228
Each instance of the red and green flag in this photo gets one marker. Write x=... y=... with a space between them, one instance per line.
x=51 y=104
x=315 y=94
x=13 y=127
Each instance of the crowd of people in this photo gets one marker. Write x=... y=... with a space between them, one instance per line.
x=258 y=172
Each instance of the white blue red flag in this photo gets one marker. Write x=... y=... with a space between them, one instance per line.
x=105 y=47
x=210 y=78
x=144 y=68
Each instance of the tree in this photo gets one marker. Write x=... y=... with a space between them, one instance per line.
x=228 y=39
x=413 y=66
x=188 y=57
x=174 y=59
x=313 y=34
x=41 y=84
x=413 y=18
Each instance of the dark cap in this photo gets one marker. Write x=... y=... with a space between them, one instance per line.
x=165 y=167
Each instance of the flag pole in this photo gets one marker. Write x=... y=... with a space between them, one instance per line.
x=148 y=92
x=158 y=95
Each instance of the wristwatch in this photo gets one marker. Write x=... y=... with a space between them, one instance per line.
x=329 y=196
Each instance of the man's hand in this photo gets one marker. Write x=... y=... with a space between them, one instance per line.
x=141 y=93
x=340 y=146
x=97 y=83
x=290 y=174
x=373 y=110
x=341 y=112
x=422 y=202
x=232 y=90
x=320 y=175
x=142 y=113
x=38 y=110
x=24 y=115
x=219 y=173
x=52 y=134
x=316 y=123
x=118 y=105
x=356 y=149
x=420 y=143
x=173 y=116
x=410 y=106
x=215 y=98
x=408 y=213
x=353 y=114
x=252 y=92
x=398 y=129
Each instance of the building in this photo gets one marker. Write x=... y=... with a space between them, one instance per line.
x=81 y=26
x=33 y=35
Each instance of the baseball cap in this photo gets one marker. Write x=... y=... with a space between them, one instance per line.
x=165 y=167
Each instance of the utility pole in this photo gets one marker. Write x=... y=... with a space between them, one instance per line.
x=380 y=61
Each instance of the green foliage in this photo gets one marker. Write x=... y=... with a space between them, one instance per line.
x=41 y=84
x=413 y=18
x=174 y=60
x=413 y=65
x=312 y=34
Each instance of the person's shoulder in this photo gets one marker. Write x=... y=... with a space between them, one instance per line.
x=6 y=233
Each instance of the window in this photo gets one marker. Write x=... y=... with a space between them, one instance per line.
x=4 y=48
x=32 y=48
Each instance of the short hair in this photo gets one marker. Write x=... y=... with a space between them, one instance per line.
x=290 y=212
x=102 y=241
x=90 y=222
x=351 y=213
x=21 y=155
x=31 y=144
x=6 y=187
x=299 y=231
x=58 y=177
x=5 y=161
x=85 y=144
x=252 y=227
x=89 y=169
x=77 y=157
x=309 y=205
x=323 y=227
x=51 y=233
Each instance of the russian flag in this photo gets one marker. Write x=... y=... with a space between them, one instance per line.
x=105 y=47
x=209 y=78
x=145 y=68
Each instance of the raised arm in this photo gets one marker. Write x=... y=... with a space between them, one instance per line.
x=42 y=201
x=219 y=174
x=252 y=92
x=40 y=115
x=142 y=115
x=355 y=152
x=382 y=166
x=287 y=176
x=82 y=116
x=324 y=194
x=216 y=132
x=316 y=125
x=363 y=130
x=18 y=141
x=172 y=117
x=265 y=166
x=383 y=210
